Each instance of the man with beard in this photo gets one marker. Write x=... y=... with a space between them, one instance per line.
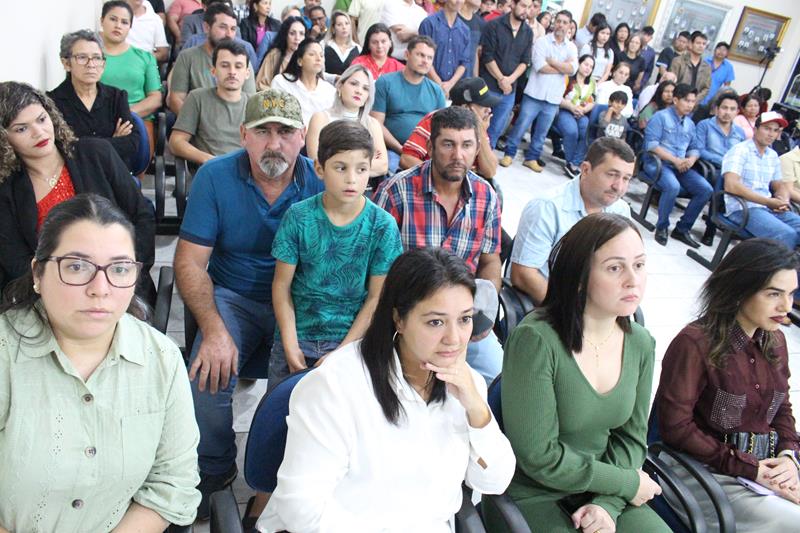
x=441 y=203
x=224 y=267
x=193 y=66
x=209 y=121
x=605 y=175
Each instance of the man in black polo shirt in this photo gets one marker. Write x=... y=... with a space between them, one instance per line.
x=505 y=55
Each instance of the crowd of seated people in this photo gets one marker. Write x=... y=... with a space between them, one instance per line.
x=344 y=218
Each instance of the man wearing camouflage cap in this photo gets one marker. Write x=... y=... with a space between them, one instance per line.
x=224 y=267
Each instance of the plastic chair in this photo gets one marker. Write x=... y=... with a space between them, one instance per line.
x=515 y=305
x=142 y=159
x=166 y=283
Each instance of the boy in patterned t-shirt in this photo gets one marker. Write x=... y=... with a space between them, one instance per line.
x=332 y=253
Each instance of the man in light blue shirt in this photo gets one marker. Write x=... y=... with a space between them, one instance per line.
x=714 y=136
x=605 y=175
x=669 y=136
x=554 y=57
x=721 y=71
x=750 y=169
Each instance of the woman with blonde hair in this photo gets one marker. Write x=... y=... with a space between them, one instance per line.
x=355 y=93
x=340 y=48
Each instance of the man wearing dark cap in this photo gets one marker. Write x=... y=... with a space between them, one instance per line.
x=224 y=267
x=752 y=171
x=473 y=94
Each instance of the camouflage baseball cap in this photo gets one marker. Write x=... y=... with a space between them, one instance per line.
x=272 y=105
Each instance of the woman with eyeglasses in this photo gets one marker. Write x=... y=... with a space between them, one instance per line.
x=42 y=164
x=97 y=427
x=92 y=108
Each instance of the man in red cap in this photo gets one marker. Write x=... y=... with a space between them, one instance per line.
x=752 y=171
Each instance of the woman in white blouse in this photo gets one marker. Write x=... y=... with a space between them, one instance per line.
x=303 y=79
x=619 y=76
x=340 y=48
x=383 y=433
x=599 y=48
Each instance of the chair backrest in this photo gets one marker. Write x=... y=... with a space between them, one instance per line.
x=142 y=160
x=493 y=399
x=267 y=438
x=166 y=282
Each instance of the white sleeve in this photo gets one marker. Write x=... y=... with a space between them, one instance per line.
x=492 y=447
x=160 y=37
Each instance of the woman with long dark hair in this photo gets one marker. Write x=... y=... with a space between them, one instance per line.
x=290 y=35
x=749 y=109
x=97 y=427
x=303 y=79
x=386 y=429
x=662 y=99
x=600 y=49
x=577 y=376
x=620 y=39
x=258 y=22
x=42 y=164
x=377 y=52
x=572 y=121
x=632 y=55
x=724 y=391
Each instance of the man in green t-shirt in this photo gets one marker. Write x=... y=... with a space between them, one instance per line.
x=208 y=124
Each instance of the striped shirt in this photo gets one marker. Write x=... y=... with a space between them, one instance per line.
x=755 y=169
x=411 y=198
x=417 y=145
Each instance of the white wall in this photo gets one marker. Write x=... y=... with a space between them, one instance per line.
x=747 y=75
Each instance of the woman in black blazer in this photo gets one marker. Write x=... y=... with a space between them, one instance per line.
x=258 y=18
x=42 y=164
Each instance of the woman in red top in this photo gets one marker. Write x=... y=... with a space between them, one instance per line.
x=377 y=52
x=43 y=164
x=724 y=391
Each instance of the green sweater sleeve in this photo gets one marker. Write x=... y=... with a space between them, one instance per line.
x=531 y=423
x=627 y=445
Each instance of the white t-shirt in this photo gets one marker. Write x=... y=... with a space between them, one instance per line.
x=319 y=99
x=346 y=468
x=601 y=59
x=400 y=12
x=368 y=13
x=147 y=31
x=605 y=89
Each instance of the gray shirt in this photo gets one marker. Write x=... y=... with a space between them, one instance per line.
x=212 y=122
x=192 y=70
x=550 y=87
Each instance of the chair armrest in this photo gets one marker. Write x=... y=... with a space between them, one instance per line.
x=160 y=185
x=727 y=521
x=224 y=513
x=182 y=178
x=467 y=518
x=161 y=133
x=509 y=512
x=665 y=476
x=717 y=216
x=166 y=282
x=639 y=169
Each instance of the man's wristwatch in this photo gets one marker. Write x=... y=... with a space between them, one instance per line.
x=793 y=455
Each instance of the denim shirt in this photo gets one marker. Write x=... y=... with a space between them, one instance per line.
x=672 y=133
x=712 y=142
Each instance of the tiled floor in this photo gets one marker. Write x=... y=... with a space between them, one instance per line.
x=669 y=303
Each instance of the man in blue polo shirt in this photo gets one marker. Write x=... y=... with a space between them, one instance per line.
x=224 y=267
x=721 y=71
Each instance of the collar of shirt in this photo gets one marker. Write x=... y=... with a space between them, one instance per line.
x=710 y=61
x=429 y=189
x=678 y=119
x=750 y=145
x=574 y=199
x=298 y=177
x=739 y=339
x=403 y=387
x=125 y=343
x=67 y=90
x=716 y=127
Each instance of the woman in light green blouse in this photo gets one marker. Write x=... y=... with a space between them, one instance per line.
x=577 y=377
x=97 y=428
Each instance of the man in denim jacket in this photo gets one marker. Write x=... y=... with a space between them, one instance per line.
x=716 y=135
x=669 y=136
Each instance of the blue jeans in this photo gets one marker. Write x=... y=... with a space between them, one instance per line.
x=251 y=325
x=313 y=350
x=530 y=110
x=573 y=135
x=761 y=222
x=500 y=114
x=671 y=183
x=486 y=357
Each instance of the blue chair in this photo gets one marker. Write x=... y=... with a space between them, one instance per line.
x=142 y=160
x=727 y=521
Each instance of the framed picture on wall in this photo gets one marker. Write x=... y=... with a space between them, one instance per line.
x=636 y=13
x=692 y=15
x=757 y=32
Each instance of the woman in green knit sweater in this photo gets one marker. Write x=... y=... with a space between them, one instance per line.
x=577 y=377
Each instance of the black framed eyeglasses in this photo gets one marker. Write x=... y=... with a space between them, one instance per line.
x=77 y=271
x=83 y=59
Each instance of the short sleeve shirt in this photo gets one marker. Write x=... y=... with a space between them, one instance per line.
x=399 y=12
x=192 y=70
x=147 y=31
x=212 y=122
x=756 y=170
x=404 y=104
x=368 y=13
x=134 y=71
x=333 y=264
x=410 y=197
x=719 y=76
x=546 y=219
x=228 y=212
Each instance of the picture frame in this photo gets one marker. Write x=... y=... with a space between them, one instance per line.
x=691 y=15
x=756 y=31
x=637 y=13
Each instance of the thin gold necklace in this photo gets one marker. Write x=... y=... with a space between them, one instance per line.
x=597 y=347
